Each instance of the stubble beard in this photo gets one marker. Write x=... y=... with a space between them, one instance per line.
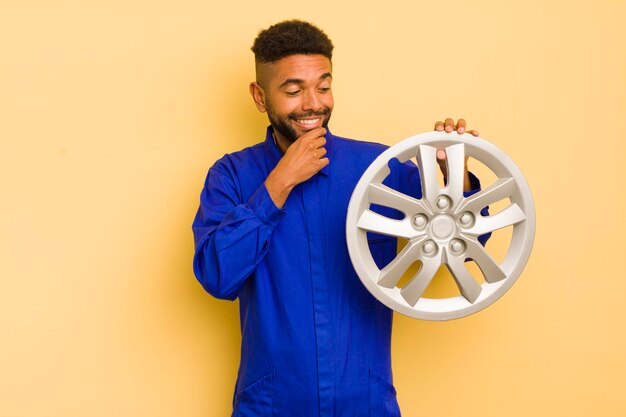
x=283 y=126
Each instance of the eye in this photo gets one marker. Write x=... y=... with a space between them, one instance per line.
x=324 y=89
x=292 y=93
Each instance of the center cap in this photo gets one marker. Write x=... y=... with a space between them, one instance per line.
x=442 y=226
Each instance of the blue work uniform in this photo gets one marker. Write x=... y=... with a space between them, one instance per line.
x=315 y=343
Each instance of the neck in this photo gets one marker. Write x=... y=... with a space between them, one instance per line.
x=281 y=143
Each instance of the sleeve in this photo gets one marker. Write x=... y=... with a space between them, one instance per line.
x=231 y=237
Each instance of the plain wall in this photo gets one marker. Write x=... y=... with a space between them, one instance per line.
x=111 y=112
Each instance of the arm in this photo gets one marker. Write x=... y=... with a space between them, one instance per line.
x=231 y=237
x=474 y=188
x=471 y=184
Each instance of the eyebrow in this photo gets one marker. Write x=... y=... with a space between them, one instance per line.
x=300 y=81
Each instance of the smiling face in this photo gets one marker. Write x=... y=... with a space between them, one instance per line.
x=295 y=91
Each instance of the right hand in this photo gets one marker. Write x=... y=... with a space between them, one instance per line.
x=303 y=159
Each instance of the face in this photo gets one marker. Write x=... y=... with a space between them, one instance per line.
x=296 y=94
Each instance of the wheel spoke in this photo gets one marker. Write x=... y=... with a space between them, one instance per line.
x=391 y=274
x=470 y=289
x=499 y=190
x=507 y=217
x=427 y=163
x=413 y=291
x=388 y=197
x=374 y=222
x=489 y=267
x=455 y=156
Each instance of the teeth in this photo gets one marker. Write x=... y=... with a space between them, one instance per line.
x=307 y=121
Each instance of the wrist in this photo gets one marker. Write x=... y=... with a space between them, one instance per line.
x=280 y=182
x=278 y=187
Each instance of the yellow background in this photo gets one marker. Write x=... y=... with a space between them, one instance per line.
x=111 y=113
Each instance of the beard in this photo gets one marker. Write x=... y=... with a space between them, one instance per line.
x=283 y=126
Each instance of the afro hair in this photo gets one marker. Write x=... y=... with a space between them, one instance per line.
x=291 y=37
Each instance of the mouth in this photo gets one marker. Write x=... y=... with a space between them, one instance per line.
x=308 y=123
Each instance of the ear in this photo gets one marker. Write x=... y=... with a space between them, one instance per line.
x=258 y=95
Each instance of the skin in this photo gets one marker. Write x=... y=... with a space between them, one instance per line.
x=296 y=93
x=294 y=89
x=449 y=126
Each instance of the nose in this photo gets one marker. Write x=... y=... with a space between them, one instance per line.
x=311 y=101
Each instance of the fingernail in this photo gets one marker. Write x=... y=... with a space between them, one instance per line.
x=461 y=130
x=448 y=129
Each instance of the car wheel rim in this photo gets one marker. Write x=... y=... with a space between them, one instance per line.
x=442 y=227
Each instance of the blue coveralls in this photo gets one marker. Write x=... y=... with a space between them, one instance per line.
x=315 y=343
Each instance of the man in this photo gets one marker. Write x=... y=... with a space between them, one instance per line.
x=270 y=230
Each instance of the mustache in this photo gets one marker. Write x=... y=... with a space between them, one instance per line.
x=323 y=112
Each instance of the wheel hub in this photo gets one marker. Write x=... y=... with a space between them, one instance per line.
x=442 y=227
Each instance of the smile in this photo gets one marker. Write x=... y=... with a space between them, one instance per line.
x=308 y=123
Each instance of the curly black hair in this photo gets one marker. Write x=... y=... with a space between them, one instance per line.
x=291 y=37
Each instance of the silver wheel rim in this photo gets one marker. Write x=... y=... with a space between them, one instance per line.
x=442 y=227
